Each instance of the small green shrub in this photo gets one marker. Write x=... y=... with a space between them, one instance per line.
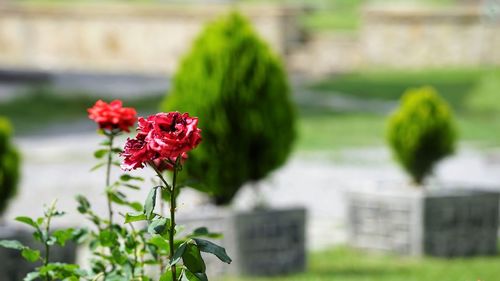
x=231 y=80
x=9 y=164
x=421 y=132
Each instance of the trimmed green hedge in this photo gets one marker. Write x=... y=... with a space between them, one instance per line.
x=239 y=90
x=9 y=165
x=421 y=132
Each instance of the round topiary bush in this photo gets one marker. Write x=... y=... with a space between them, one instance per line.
x=9 y=164
x=421 y=132
x=231 y=80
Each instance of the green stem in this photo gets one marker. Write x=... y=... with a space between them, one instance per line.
x=172 y=213
x=46 y=241
x=172 y=221
x=108 y=175
x=162 y=213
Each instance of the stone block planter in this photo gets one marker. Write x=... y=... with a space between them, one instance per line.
x=13 y=267
x=264 y=242
x=445 y=223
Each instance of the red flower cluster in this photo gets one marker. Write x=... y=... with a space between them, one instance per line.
x=112 y=116
x=161 y=138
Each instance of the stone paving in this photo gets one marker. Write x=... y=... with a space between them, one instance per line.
x=58 y=166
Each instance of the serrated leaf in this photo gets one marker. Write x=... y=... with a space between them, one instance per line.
x=30 y=254
x=150 y=203
x=158 y=226
x=12 y=244
x=27 y=220
x=133 y=217
x=212 y=248
x=100 y=153
x=178 y=254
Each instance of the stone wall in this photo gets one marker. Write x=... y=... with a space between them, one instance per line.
x=121 y=38
x=405 y=37
x=424 y=37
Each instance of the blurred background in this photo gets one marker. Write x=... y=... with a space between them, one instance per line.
x=347 y=62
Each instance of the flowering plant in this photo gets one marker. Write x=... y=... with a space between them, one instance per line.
x=122 y=251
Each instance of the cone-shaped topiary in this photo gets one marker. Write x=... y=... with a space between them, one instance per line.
x=9 y=165
x=235 y=85
x=421 y=132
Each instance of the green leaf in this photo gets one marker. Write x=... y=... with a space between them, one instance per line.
x=108 y=238
x=133 y=217
x=32 y=276
x=159 y=242
x=131 y=186
x=203 y=232
x=30 y=254
x=118 y=257
x=212 y=248
x=150 y=203
x=118 y=197
x=189 y=276
x=178 y=254
x=62 y=235
x=167 y=276
x=100 y=153
x=136 y=206
x=158 y=226
x=192 y=259
x=27 y=220
x=97 y=166
x=80 y=235
x=83 y=204
x=127 y=177
x=12 y=244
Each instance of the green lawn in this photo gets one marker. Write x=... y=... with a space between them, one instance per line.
x=452 y=84
x=338 y=131
x=342 y=264
x=335 y=131
x=328 y=130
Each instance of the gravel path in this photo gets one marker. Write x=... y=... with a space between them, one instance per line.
x=58 y=166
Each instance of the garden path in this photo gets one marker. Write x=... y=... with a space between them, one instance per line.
x=58 y=166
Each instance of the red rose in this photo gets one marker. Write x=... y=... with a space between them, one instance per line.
x=135 y=154
x=112 y=116
x=161 y=137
